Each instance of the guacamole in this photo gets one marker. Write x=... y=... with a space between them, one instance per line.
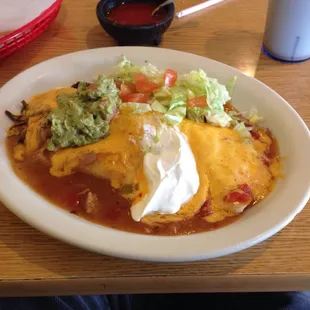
x=83 y=117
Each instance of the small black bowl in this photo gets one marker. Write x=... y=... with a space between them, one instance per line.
x=149 y=34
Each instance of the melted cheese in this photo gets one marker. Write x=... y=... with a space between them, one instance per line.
x=228 y=161
x=46 y=101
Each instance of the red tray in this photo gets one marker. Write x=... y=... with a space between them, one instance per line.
x=17 y=39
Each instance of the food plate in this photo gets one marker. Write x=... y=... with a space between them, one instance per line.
x=257 y=224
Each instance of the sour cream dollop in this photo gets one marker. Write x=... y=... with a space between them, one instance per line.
x=171 y=173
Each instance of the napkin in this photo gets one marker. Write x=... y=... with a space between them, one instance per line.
x=16 y=13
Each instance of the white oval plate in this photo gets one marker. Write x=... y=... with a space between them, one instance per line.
x=255 y=225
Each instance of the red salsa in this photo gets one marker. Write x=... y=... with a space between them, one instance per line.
x=138 y=13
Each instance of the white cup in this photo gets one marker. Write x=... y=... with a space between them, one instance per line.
x=287 y=32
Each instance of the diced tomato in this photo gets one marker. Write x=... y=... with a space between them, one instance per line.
x=242 y=194
x=246 y=188
x=143 y=85
x=132 y=87
x=198 y=102
x=170 y=77
x=205 y=209
x=237 y=196
x=137 y=97
x=128 y=84
x=125 y=90
x=140 y=77
x=255 y=134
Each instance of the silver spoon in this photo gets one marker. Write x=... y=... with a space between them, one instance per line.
x=162 y=5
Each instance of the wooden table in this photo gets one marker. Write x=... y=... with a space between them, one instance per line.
x=34 y=264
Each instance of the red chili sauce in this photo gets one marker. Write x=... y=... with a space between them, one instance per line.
x=136 y=14
x=114 y=209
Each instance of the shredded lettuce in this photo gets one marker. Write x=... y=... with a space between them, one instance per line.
x=175 y=114
x=218 y=118
x=190 y=94
x=159 y=107
x=242 y=130
x=196 y=84
x=126 y=70
x=231 y=85
x=195 y=81
x=138 y=108
x=163 y=94
x=153 y=73
x=177 y=107
x=253 y=116
x=171 y=102
x=199 y=84
x=197 y=114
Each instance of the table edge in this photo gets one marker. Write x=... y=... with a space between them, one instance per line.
x=156 y=284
